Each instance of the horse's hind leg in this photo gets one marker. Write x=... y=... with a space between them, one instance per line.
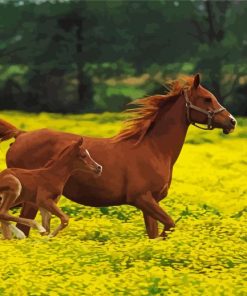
x=6 y=231
x=8 y=198
x=17 y=232
x=27 y=222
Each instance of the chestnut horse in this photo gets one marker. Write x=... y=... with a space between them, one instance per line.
x=137 y=162
x=41 y=188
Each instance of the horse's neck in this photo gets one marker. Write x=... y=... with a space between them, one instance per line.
x=60 y=168
x=169 y=131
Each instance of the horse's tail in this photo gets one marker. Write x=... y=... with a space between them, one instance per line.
x=8 y=131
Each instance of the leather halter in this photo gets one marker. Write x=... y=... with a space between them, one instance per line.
x=210 y=114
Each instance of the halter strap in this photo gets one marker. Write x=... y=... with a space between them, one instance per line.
x=210 y=114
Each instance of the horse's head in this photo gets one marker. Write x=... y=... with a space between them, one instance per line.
x=203 y=107
x=83 y=159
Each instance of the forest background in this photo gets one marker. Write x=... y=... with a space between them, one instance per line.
x=96 y=56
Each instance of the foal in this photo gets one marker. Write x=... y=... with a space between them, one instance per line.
x=41 y=188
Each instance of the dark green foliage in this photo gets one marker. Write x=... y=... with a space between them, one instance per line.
x=58 y=56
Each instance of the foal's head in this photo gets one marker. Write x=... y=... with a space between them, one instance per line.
x=203 y=107
x=82 y=159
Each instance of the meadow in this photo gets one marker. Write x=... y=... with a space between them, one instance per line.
x=105 y=251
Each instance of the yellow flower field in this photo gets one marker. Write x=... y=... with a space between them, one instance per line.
x=105 y=251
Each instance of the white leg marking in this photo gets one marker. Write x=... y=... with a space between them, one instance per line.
x=40 y=228
x=17 y=232
x=46 y=218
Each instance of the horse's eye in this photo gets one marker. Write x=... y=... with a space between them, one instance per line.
x=207 y=100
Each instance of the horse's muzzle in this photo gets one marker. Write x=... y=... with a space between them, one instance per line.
x=231 y=126
x=98 y=170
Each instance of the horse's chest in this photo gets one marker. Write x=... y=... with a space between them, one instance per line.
x=159 y=173
x=148 y=178
x=159 y=182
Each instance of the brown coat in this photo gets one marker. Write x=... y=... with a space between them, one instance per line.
x=138 y=162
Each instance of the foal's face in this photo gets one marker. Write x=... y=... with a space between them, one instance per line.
x=86 y=162
x=205 y=100
x=82 y=160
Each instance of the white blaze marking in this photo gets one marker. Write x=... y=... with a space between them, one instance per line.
x=232 y=117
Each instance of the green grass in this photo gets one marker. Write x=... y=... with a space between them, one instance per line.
x=105 y=251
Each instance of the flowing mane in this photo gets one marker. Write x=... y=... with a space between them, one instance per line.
x=148 y=108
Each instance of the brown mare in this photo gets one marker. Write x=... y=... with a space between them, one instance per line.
x=137 y=162
x=41 y=188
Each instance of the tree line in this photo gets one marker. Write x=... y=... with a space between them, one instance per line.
x=73 y=56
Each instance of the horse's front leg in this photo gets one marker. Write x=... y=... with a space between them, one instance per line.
x=151 y=225
x=6 y=231
x=46 y=219
x=46 y=216
x=150 y=206
x=50 y=205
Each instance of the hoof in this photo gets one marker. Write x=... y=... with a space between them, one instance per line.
x=41 y=229
x=7 y=238
x=21 y=236
x=44 y=233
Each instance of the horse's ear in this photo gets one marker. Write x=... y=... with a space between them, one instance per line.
x=80 y=142
x=196 y=82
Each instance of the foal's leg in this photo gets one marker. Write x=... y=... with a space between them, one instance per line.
x=46 y=219
x=9 y=197
x=27 y=211
x=151 y=225
x=12 y=187
x=28 y=222
x=149 y=205
x=50 y=205
x=6 y=230
x=46 y=216
x=7 y=201
x=17 y=232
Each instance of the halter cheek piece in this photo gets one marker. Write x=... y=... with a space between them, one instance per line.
x=210 y=114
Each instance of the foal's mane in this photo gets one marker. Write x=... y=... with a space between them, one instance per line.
x=58 y=155
x=148 y=108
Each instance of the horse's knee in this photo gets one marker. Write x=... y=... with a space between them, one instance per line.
x=3 y=216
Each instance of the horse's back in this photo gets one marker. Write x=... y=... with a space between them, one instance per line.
x=33 y=149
